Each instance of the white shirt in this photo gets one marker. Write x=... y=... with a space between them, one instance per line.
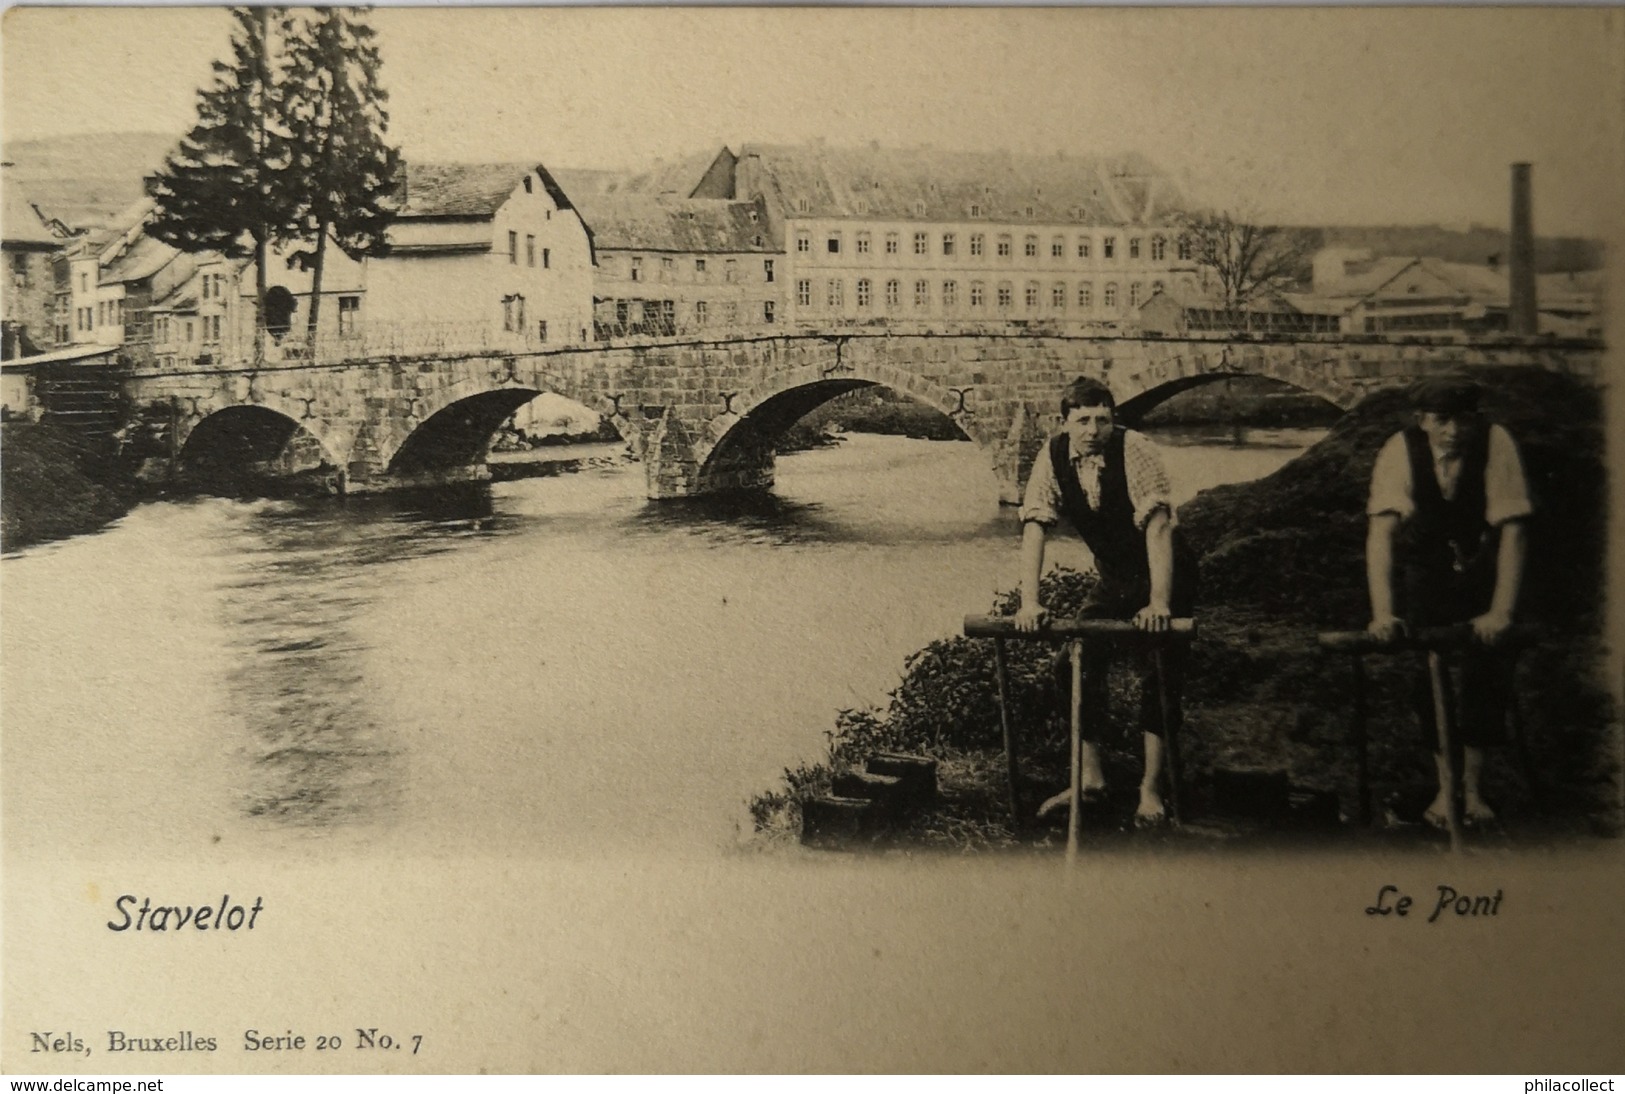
x=1506 y=493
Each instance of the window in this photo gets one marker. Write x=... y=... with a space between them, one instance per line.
x=1057 y=247
x=1057 y=296
x=527 y=184
x=730 y=270
x=975 y=212
x=803 y=243
x=836 y=292
x=891 y=243
x=1083 y=246
x=894 y=294
x=637 y=269
x=950 y=294
x=977 y=242
x=922 y=243
x=865 y=292
x=863 y=243
x=668 y=266
x=804 y=293
x=513 y=248
x=513 y=313
x=1108 y=247
x=978 y=294
x=767 y=311
x=208 y=285
x=1086 y=294
x=767 y=270
x=1004 y=246
x=730 y=312
x=1134 y=290
x=84 y=282
x=541 y=330
x=188 y=329
x=1006 y=295
x=1109 y=297
x=1134 y=247
x=947 y=244
x=922 y=294
x=1030 y=297
x=1028 y=211
x=349 y=312
x=834 y=244
x=1184 y=249
x=1159 y=249
x=547 y=258
x=702 y=312
x=802 y=205
x=919 y=208
x=1029 y=246
x=699 y=265
x=530 y=248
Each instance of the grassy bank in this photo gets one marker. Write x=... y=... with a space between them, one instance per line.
x=1282 y=559
x=54 y=484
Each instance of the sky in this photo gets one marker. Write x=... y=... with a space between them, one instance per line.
x=1330 y=116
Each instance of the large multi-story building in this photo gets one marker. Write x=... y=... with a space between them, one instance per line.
x=920 y=236
x=668 y=264
x=30 y=241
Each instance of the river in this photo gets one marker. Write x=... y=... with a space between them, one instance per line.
x=550 y=665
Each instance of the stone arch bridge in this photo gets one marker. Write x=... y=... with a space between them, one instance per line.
x=703 y=416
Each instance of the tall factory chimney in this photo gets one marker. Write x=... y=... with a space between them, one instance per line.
x=1524 y=319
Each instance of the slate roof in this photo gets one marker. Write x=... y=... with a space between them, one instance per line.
x=22 y=221
x=460 y=189
x=144 y=257
x=648 y=222
x=932 y=184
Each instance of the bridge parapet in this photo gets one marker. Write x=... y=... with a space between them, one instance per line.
x=703 y=413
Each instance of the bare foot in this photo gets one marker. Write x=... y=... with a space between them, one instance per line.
x=1474 y=810
x=1092 y=792
x=1437 y=815
x=1151 y=810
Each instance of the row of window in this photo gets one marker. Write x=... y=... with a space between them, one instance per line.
x=530 y=251
x=214 y=286
x=667 y=268
x=1060 y=295
x=976 y=210
x=1004 y=245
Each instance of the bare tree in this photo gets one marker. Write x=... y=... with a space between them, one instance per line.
x=1248 y=260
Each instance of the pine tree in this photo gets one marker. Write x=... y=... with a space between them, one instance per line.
x=337 y=117
x=230 y=178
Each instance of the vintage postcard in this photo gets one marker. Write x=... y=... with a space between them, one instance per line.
x=811 y=540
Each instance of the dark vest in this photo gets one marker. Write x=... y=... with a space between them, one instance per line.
x=1110 y=533
x=1447 y=536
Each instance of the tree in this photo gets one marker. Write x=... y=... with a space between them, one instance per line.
x=338 y=123
x=1247 y=259
x=230 y=178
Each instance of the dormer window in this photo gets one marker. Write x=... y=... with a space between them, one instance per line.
x=919 y=208
x=802 y=205
x=976 y=212
x=1029 y=211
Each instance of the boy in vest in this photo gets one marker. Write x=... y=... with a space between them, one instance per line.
x=1447 y=511
x=1109 y=484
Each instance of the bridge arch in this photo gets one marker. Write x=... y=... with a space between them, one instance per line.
x=1154 y=383
x=254 y=438
x=738 y=449
x=449 y=426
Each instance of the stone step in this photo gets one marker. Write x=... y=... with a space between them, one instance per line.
x=916 y=775
x=831 y=821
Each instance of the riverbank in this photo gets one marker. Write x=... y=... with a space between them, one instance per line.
x=54 y=484
x=1266 y=712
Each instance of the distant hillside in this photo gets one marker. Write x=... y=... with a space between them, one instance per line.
x=85 y=180
x=1474 y=246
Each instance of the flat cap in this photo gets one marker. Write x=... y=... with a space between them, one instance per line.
x=1447 y=395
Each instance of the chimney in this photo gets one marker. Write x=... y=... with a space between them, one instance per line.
x=1521 y=261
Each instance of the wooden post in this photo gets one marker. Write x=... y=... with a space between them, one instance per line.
x=1003 y=674
x=1441 y=721
x=1074 y=817
x=1170 y=736
x=1362 y=761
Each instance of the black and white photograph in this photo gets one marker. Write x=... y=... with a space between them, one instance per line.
x=811 y=540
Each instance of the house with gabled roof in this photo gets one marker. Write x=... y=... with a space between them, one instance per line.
x=28 y=240
x=476 y=248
